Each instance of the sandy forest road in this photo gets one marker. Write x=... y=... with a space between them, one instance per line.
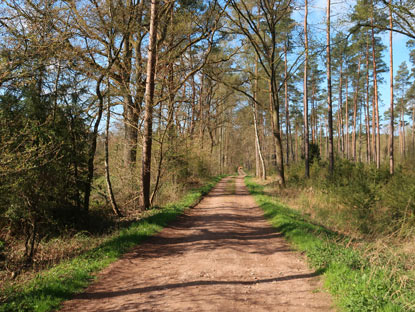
x=220 y=256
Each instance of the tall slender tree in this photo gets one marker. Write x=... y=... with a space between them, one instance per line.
x=148 y=117
x=305 y=95
x=391 y=132
x=329 y=95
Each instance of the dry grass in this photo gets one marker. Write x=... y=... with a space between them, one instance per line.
x=50 y=252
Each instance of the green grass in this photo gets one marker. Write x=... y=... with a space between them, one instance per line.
x=49 y=288
x=354 y=282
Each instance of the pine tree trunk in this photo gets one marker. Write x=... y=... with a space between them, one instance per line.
x=329 y=99
x=313 y=123
x=341 y=131
x=374 y=147
x=367 y=111
x=305 y=99
x=287 y=113
x=375 y=82
x=413 y=130
x=347 y=118
x=400 y=135
x=355 y=100
x=391 y=163
x=403 y=134
x=360 y=134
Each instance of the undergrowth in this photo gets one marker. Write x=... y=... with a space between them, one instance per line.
x=49 y=288
x=357 y=284
x=358 y=198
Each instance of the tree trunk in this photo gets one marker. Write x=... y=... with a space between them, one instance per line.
x=257 y=141
x=93 y=146
x=329 y=95
x=107 y=168
x=347 y=118
x=413 y=130
x=403 y=134
x=355 y=100
x=391 y=164
x=313 y=122
x=341 y=130
x=375 y=81
x=148 y=117
x=130 y=113
x=367 y=111
x=287 y=111
x=374 y=147
x=279 y=150
x=360 y=134
x=400 y=135
x=305 y=97
x=257 y=146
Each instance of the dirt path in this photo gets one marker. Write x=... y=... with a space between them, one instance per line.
x=220 y=256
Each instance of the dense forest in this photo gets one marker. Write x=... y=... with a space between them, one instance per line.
x=109 y=109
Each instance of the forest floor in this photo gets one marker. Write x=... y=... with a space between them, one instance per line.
x=222 y=255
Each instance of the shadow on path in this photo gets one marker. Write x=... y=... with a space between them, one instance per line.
x=141 y=290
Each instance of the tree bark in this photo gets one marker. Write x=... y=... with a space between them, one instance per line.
x=305 y=97
x=148 y=117
x=347 y=119
x=375 y=81
x=260 y=158
x=287 y=112
x=329 y=95
x=277 y=135
x=257 y=142
x=374 y=147
x=403 y=134
x=413 y=129
x=367 y=111
x=391 y=163
x=107 y=167
x=93 y=144
x=355 y=100
x=341 y=129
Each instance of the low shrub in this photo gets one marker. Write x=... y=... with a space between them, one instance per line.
x=366 y=200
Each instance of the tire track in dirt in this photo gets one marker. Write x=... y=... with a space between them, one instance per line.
x=221 y=255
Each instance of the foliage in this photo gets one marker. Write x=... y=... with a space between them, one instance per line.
x=42 y=165
x=365 y=200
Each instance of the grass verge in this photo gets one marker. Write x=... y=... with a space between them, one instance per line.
x=348 y=275
x=49 y=288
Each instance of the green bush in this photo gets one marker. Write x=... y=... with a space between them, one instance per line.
x=372 y=200
x=43 y=164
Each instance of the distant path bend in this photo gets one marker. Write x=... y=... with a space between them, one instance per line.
x=221 y=255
